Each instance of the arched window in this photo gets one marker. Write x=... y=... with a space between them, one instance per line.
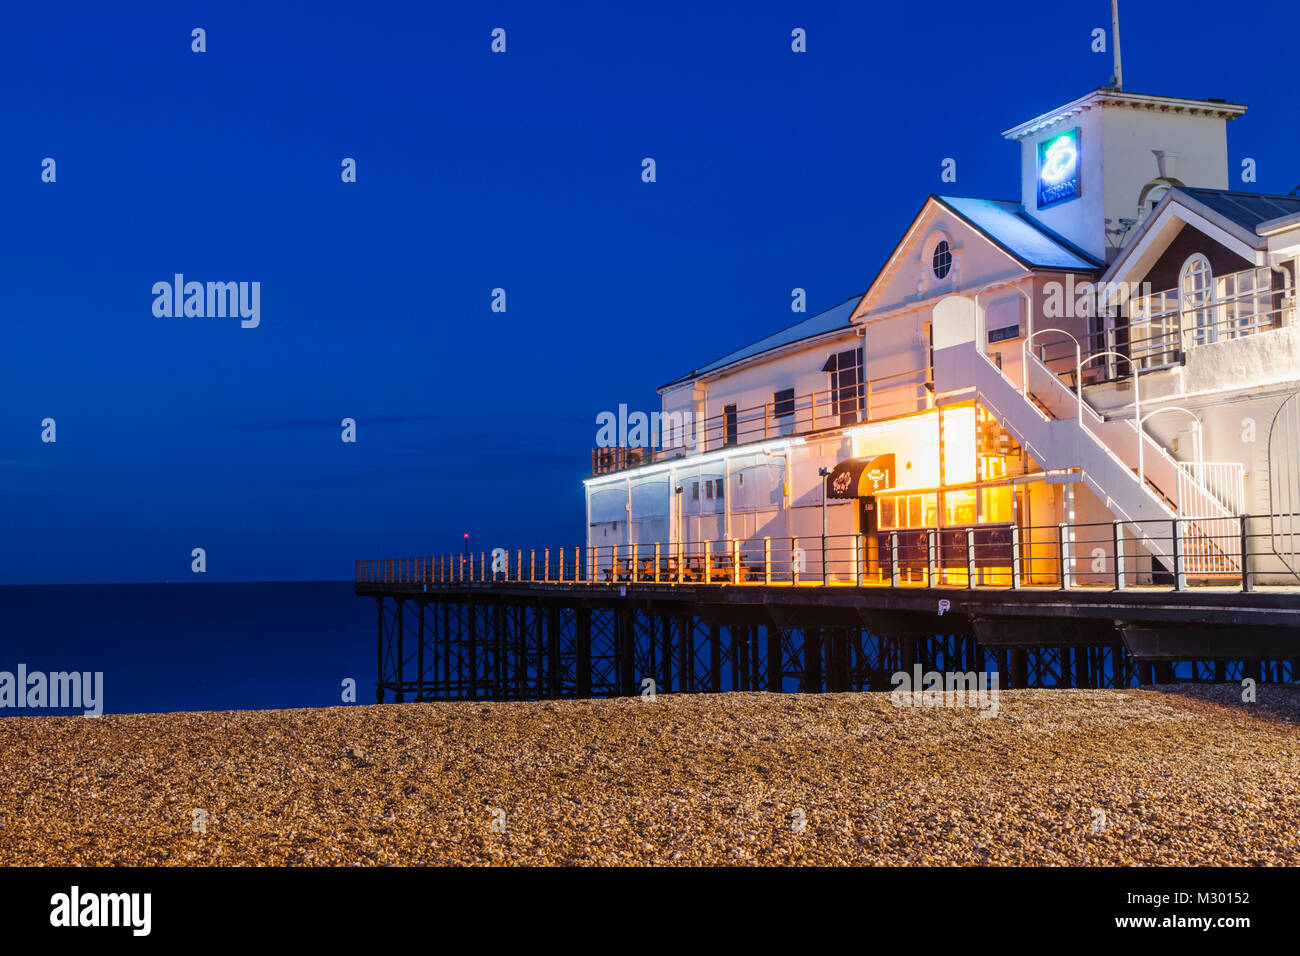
x=1196 y=299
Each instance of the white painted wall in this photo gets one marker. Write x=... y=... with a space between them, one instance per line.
x=1116 y=143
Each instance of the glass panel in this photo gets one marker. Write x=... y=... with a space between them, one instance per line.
x=887 y=514
x=914 y=514
x=959 y=507
x=996 y=504
x=931 y=511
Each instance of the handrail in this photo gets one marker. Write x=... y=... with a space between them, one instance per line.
x=809 y=412
x=1206 y=548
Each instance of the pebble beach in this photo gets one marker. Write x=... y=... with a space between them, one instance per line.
x=1176 y=775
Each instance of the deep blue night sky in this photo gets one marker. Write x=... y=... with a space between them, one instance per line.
x=475 y=171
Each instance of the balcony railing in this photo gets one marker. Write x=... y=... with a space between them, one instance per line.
x=1105 y=555
x=876 y=399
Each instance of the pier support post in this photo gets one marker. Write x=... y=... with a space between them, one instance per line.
x=773 y=659
x=666 y=647
x=715 y=658
x=419 y=680
x=685 y=653
x=399 y=696
x=379 y=667
x=626 y=650
x=553 y=651
x=1019 y=668
x=812 y=660
x=582 y=650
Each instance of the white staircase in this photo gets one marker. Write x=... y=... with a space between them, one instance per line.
x=1061 y=432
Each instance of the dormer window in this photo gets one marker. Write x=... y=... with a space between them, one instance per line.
x=941 y=260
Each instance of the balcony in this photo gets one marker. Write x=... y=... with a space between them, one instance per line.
x=1166 y=324
x=873 y=400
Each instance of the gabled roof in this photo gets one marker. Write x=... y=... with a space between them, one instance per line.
x=1247 y=210
x=1236 y=215
x=1006 y=223
x=832 y=320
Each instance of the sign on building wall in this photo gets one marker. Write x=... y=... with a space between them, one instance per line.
x=1058 y=168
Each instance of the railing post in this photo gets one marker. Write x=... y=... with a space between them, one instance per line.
x=635 y=566
x=681 y=559
x=591 y=565
x=559 y=572
x=1245 y=554
x=708 y=563
x=1063 y=553
x=893 y=559
x=767 y=560
x=655 y=574
x=794 y=561
x=857 y=557
x=970 y=558
x=1117 y=545
x=825 y=563
x=931 y=556
x=613 y=564
x=1015 y=556
x=577 y=564
x=735 y=561
x=1180 y=573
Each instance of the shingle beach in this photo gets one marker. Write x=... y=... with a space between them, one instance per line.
x=1170 y=776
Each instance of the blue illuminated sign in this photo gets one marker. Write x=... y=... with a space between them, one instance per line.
x=1058 y=169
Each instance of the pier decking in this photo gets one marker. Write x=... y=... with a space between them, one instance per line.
x=588 y=623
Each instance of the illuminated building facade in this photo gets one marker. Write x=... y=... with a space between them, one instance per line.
x=1106 y=364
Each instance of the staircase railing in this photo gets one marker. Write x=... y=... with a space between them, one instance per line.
x=1211 y=494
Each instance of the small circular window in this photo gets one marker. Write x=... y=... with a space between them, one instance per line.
x=941 y=261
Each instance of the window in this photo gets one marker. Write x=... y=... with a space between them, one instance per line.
x=846 y=384
x=695 y=491
x=717 y=489
x=960 y=507
x=907 y=511
x=941 y=260
x=996 y=505
x=708 y=489
x=887 y=519
x=729 y=414
x=1195 y=284
x=783 y=403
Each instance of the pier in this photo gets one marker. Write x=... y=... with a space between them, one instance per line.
x=591 y=622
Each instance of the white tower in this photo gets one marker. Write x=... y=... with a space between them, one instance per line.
x=1093 y=168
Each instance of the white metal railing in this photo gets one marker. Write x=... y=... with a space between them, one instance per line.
x=1164 y=324
x=1211 y=494
x=1107 y=554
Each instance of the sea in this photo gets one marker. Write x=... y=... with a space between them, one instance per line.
x=164 y=648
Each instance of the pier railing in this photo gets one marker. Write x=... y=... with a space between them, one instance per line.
x=1113 y=554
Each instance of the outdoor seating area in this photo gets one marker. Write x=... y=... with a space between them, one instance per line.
x=722 y=569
